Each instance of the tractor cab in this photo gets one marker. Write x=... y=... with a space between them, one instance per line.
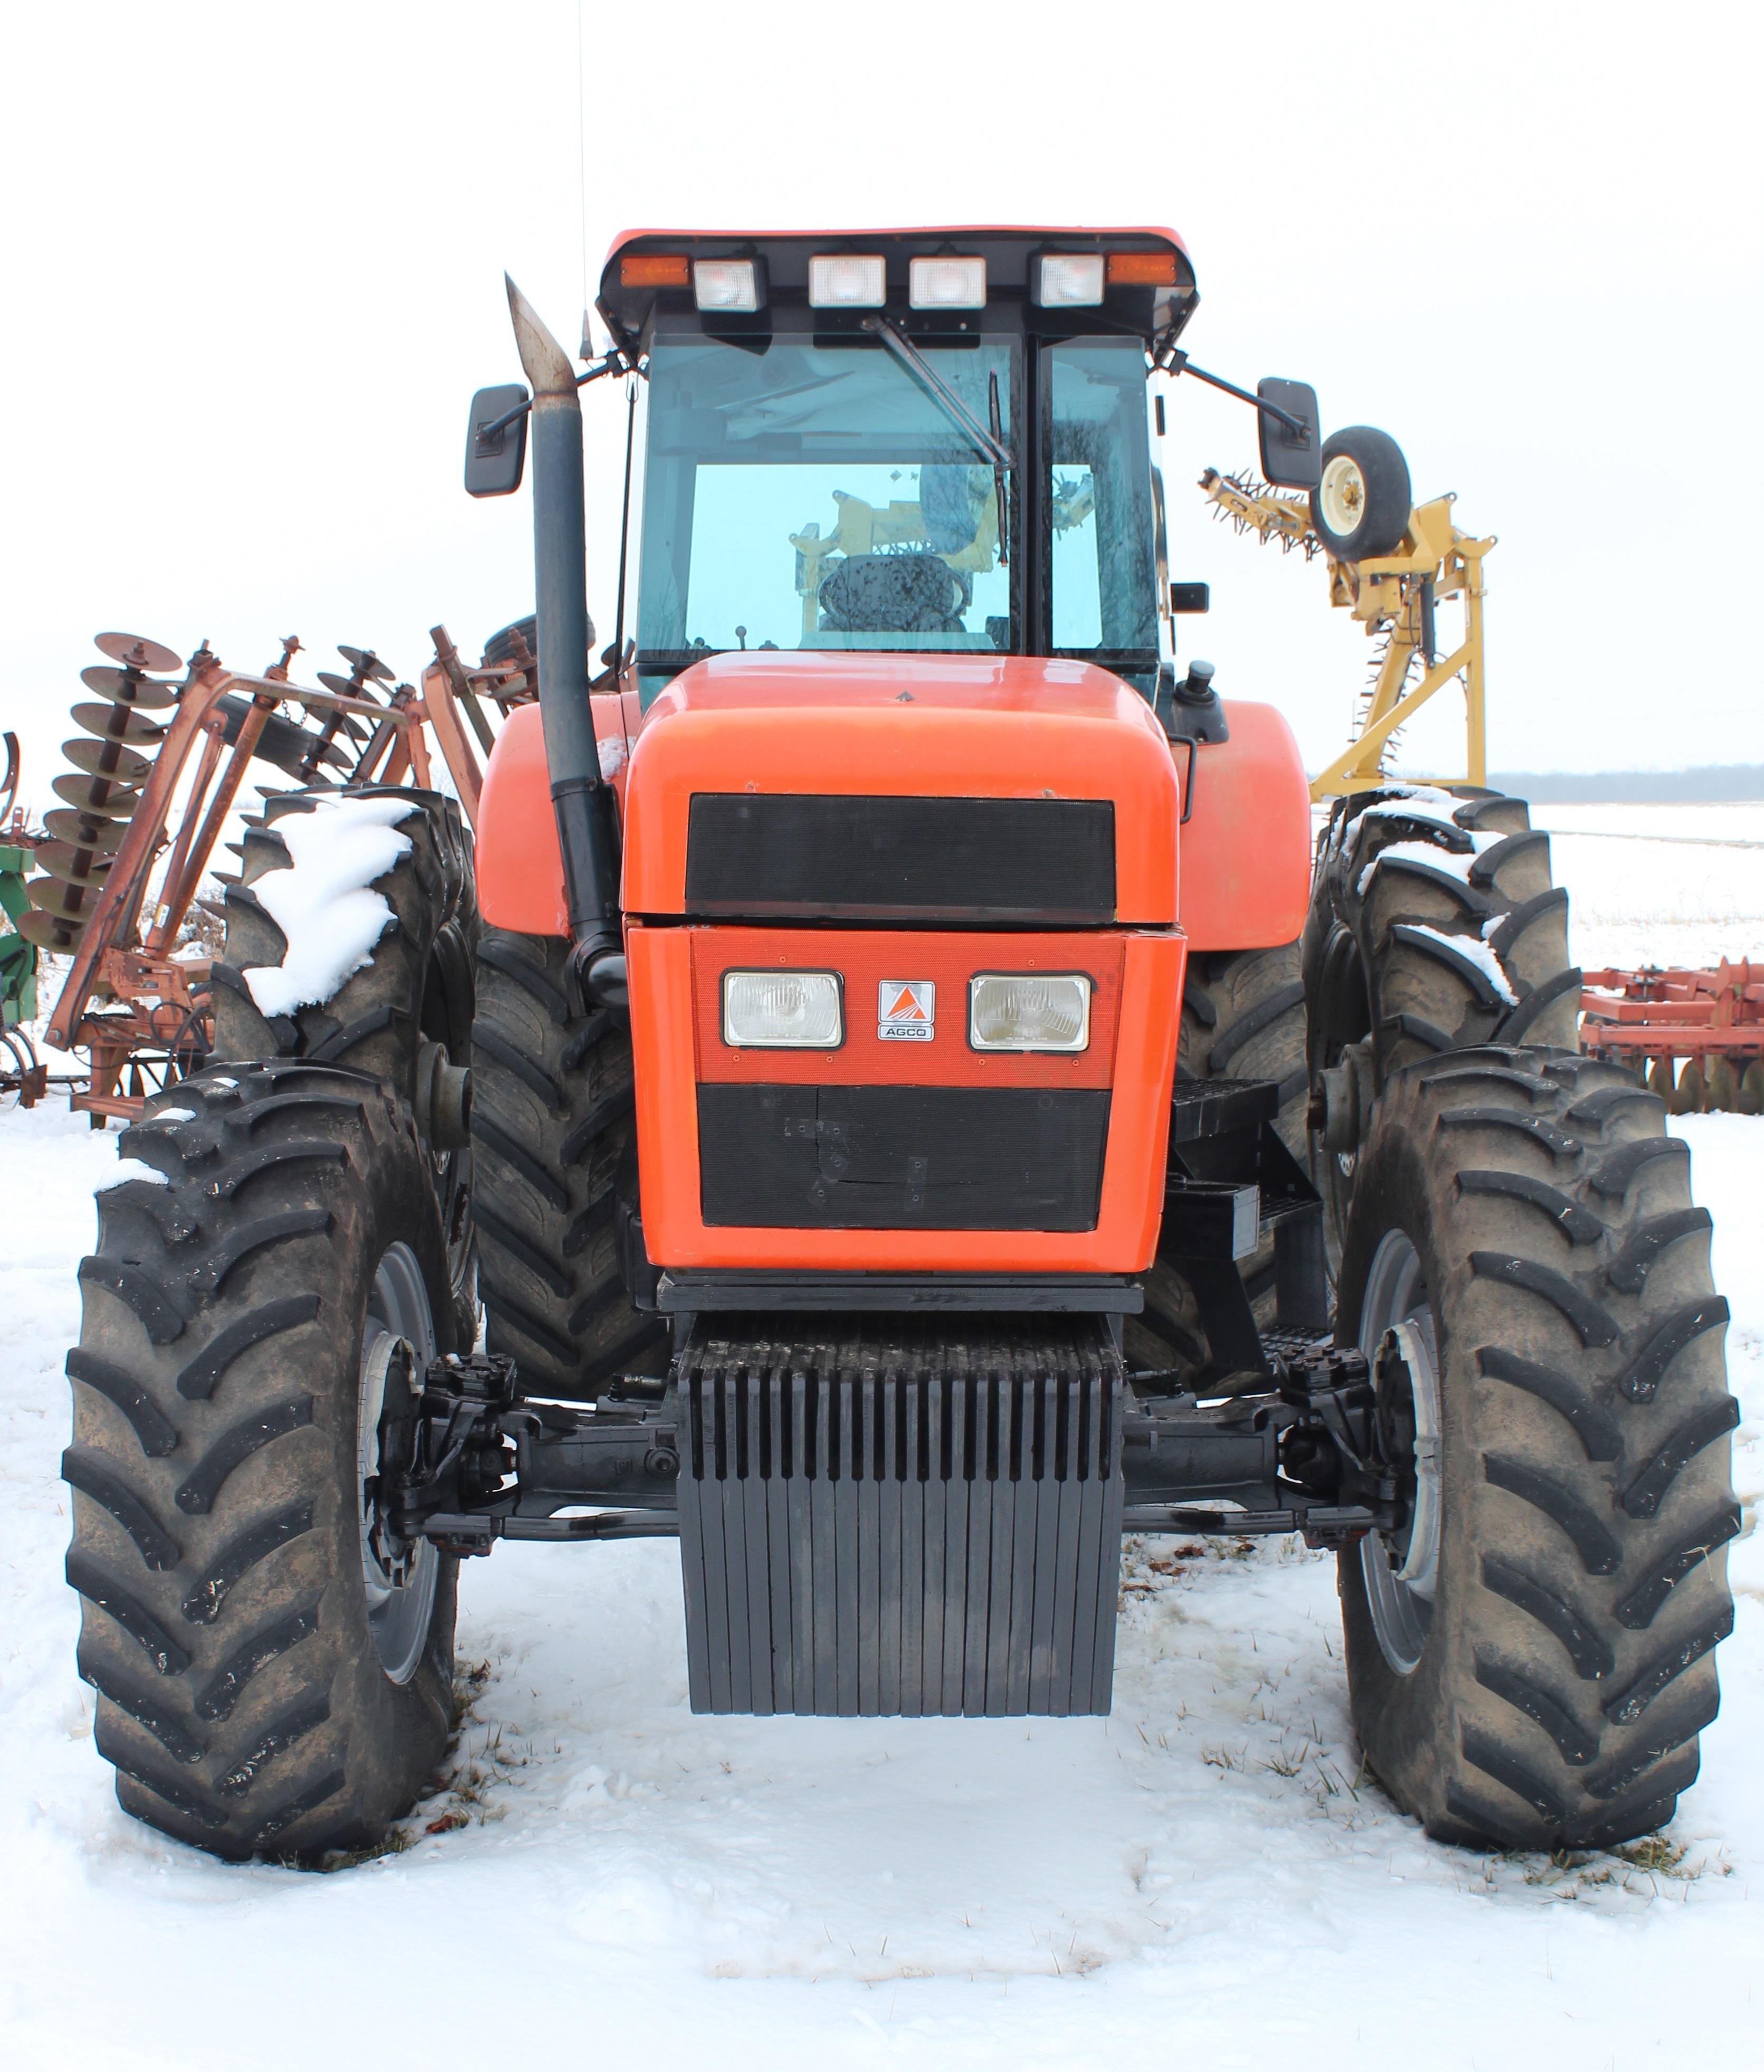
x=931 y=443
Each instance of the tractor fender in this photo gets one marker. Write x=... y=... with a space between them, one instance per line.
x=1246 y=835
x=520 y=871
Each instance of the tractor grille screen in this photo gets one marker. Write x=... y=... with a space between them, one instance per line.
x=1045 y=859
x=818 y=1157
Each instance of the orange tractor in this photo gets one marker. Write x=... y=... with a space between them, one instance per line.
x=913 y=1104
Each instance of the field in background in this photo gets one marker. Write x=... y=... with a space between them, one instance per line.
x=1665 y=885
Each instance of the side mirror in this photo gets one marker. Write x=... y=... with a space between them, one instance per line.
x=1190 y=597
x=1291 y=459
x=495 y=460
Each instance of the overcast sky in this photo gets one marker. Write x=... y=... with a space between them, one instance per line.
x=253 y=260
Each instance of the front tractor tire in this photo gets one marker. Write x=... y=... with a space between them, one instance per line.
x=1530 y=1660
x=264 y=1686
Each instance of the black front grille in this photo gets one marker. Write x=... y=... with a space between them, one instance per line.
x=1020 y=859
x=888 y=1523
x=902 y=1158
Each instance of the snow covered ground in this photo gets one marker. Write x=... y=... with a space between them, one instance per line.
x=1664 y=884
x=1204 y=1877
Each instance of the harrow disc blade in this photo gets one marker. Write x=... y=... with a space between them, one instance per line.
x=368 y=663
x=85 y=831
x=137 y=652
x=345 y=687
x=124 y=766
x=117 y=722
x=50 y=931
x=115 y=684
x=71 y=903
x=103 y=796
x=71 y=863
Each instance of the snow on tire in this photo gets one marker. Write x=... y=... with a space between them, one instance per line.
x=1535 y=1673
x=263 y=1689
x=1434 y=925
x=350 y=940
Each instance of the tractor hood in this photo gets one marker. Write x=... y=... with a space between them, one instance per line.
x=945 y=788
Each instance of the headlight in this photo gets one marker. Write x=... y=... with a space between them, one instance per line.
x=1025 y=1011
x=780 y=1010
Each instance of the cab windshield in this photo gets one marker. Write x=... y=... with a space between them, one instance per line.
x=820 y=495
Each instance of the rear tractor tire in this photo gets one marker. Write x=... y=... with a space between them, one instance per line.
x=554 y=1134
x=265 y=1686
x=1242 y=1018
x=1530 y=1661
x=404 y=1015
x=1434 y=926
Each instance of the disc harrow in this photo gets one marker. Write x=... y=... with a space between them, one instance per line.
x=154 y=776
x=1713 y=1020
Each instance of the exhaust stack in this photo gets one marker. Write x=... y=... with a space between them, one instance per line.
x=581 y=798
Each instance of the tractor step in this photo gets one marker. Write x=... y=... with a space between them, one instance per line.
x=902 y=1523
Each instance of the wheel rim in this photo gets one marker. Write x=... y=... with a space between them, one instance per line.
x=1401 y=1570
x=398 y=1614
x=1342 y=495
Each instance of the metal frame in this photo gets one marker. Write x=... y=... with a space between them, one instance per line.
x=1714 y=1020
x=1395 y=595
x=476 y=1461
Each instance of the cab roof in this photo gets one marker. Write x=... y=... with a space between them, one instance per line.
x=1152 y=306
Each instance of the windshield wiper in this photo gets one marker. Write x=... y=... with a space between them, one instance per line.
x=989 y=442
x=915 y=363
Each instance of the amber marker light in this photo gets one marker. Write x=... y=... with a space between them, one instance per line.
x=1142 y=269
x=655 y=270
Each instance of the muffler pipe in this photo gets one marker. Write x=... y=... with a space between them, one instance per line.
x=581 y=797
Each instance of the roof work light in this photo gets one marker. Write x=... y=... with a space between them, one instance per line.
x=1068 y=280
x=847 y=281
x=725 y=284
x=948 y=283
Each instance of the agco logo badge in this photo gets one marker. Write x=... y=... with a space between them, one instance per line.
x=906 y=1010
